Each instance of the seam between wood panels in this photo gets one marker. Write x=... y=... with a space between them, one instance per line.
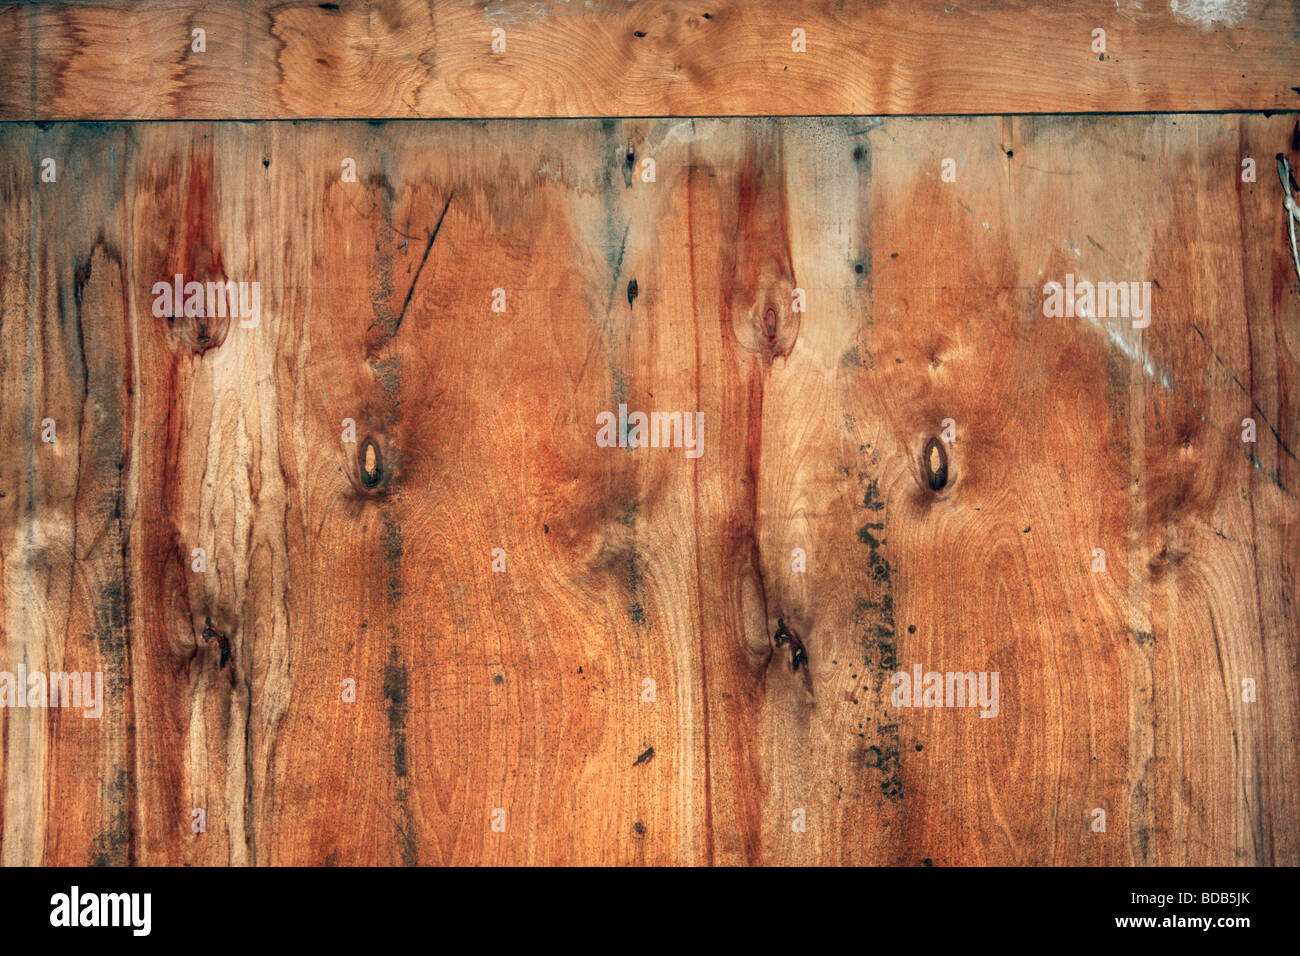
x=359 y=118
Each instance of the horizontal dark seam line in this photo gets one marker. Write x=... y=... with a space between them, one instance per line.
x=1263 y=111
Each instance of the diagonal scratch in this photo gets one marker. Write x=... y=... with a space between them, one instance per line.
x=1245 y=391
x=432 y=236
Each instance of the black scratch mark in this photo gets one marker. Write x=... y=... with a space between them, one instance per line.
x=411 y=291
x=1246 y=392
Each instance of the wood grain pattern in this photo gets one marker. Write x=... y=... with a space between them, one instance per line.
x=523 y=690
x=435 y=58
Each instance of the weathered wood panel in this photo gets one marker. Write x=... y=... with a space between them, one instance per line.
x=440 y=58
x=524 y=689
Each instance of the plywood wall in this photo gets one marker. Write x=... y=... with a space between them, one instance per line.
x=814 y=512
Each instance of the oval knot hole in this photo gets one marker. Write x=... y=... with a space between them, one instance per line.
x=371 y=469
x=935 y=464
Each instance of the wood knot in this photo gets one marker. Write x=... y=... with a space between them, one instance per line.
x=934 y=462
x=768 y=325
x=372 y=467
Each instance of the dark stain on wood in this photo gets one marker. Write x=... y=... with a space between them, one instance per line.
x=210 y=633
x=784 y=635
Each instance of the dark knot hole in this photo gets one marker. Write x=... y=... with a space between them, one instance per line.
x=934 y=462
x=372 y=469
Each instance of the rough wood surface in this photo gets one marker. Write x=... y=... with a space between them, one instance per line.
x=524 y=689
x=435 y=58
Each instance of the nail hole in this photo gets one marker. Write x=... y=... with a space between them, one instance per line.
x=935 y=464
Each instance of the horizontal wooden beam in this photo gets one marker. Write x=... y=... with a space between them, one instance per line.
x=436 y=58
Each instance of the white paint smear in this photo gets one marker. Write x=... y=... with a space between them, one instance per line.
x=1206 y=13
x=1134 y=353
x=685 y=131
